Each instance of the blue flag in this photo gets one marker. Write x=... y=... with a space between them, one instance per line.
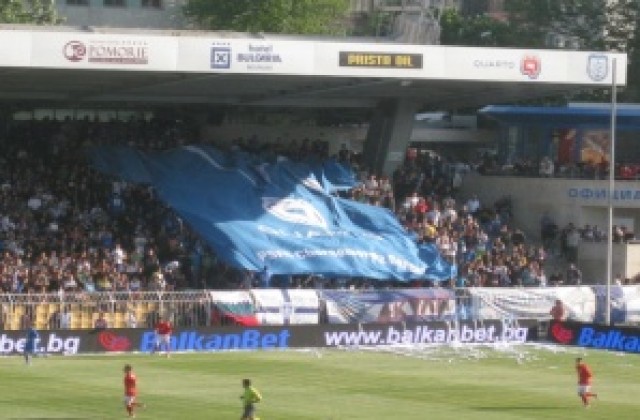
x=280 y=215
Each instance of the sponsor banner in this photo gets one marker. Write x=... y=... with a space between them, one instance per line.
x=410 y=305
x=286 y=306
x=233 y=307
x=514 y=65
x=305 y=57
x=320 y=336
x=224 y=338
x=379 y=60
x=624 y=339
x=50 y=342
x=276 y=337
x=522 y=65
x=15 y=49
x=497 y=303
x=245 y=56
x=465 y=332
x=103 y=51
x=467 y=63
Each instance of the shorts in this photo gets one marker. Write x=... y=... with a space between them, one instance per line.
x=583 y=389
x=163 y=339
x=249 y=411
x=129 y=399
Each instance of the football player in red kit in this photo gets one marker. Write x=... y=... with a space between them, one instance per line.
x=584 y=382
x=163 y=330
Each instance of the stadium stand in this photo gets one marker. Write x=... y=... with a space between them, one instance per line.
x=66 y=230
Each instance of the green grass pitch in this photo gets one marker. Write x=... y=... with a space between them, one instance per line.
x=526 y=382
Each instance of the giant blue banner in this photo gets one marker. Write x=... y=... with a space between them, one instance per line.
x=278 y=214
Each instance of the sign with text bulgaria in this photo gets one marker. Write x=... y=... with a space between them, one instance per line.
x=251 y=56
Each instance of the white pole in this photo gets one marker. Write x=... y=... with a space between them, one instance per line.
x=612 y=177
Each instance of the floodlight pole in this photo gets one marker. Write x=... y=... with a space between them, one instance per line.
x=612 y=177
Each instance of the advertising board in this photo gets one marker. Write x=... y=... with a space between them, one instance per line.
x=70 y=342
x=15 y=49
x=103 y=51
x=623 y=339
x=227 y=55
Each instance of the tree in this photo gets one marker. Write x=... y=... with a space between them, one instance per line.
x=40 y=12
x=574 y=24
x=623 y=34
x=593 y=25
x=477 y=30
x=271 y=16
x=550 y=23
x=599 y=25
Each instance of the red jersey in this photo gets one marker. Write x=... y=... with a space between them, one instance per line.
x=130 y=385
x=584 y=374
x=164 y=327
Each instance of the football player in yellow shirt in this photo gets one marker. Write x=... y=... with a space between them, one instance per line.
x=249 y=398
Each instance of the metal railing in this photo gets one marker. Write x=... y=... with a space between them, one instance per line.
x=118 y=309
x=200 y=308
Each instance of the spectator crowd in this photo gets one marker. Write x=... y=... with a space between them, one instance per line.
x=67 y=228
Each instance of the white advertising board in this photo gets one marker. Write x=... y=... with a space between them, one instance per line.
x=502 y=64
x=15 y=49
x=103 y=51
x=379 y=60
x=217 y=54
x=245 y=56
x=521 y=65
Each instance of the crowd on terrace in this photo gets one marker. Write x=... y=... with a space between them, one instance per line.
x=547 y=167
x=67 y=228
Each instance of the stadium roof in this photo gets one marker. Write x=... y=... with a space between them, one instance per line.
x=56 y=64
x=595 y=115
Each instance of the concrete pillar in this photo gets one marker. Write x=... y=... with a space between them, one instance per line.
x=389 y=135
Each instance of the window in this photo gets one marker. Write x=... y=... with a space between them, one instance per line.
x=115 y=3
x=152 y=4
x=77 y=2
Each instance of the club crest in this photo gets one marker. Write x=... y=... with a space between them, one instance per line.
x=531 y=66
x=598 y=67
x=294 y=210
